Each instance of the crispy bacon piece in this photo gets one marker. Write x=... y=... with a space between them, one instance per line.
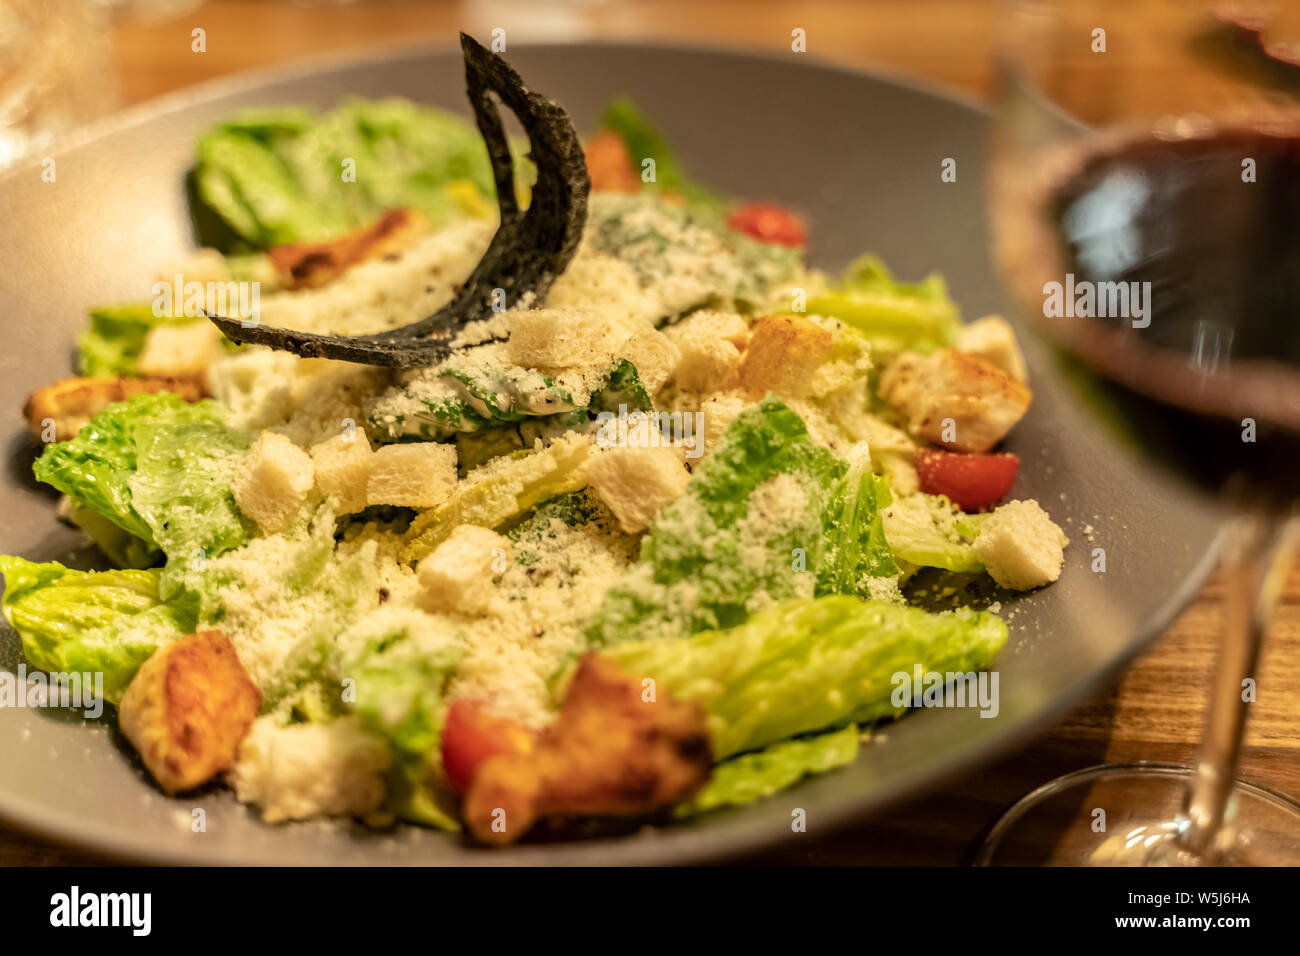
x=72 y=403
x=610 y=753
x=309 y=265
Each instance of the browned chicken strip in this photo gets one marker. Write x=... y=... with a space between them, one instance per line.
x=308 y=265
x=57 y=412
x=188 y=708
x=611 y=752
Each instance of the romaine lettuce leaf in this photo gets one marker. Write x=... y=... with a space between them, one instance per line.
x=750 y=776
x=478 y=399
x=181 y=488
x=808 y=664
x=158 y=468
x=768 y=515
x=400 y=662
x=926 y=530
x=856 y=547
x=113 y=342
x=893 y=315
x=503 y=489
x=107 y=622
x=280 y=176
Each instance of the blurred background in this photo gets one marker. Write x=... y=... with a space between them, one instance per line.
x=63 y=62
x=67 y=62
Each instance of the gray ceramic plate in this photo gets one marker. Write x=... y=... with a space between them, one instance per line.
x=859 y=155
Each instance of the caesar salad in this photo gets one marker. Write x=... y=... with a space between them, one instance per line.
x=480 y=483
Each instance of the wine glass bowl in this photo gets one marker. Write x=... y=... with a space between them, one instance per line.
x=1144 y=222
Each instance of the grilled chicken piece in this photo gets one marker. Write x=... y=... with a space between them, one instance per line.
x=982 y=401
x=68 y=405
x=188 y=709
x=609 y=753
x=308 y=265
x=610 y=166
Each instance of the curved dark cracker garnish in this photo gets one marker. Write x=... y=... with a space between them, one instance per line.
x=529 y=250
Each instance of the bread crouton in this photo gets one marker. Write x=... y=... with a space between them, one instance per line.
x=57 y=412
x=180 y=351
x=1021 y=546
x=654 y=355
x=343 y=469
x=560 y=338
x=188 y=708
x=782 y=354
x=953 y=399
x=297 y=771
x=708 y=364
x=275 y=479
x=634 y=483
x=714 y=324
x=719 y=413
x=458 y=575
x=412 y=475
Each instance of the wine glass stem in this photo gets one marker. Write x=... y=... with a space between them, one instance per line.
x=1254 y=565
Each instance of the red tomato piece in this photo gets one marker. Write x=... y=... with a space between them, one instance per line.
x=470 y=736
x=972 y=482
x=769 y=223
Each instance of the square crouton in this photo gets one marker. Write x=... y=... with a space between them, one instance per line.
x=713 y=324
x=992 y=339
x=560 y=338
x=273 y=482
x=782 y=354
x=718 y=414
x=413 y=475
x=1020 y=546
x=187 y=709
x=654 y=355
x=634 y=483
x=343 y=469
x=297 y=771
x=180 y=351
x=708 y=364
x=459 y=575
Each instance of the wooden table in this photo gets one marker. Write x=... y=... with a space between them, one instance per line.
x=1154 y=713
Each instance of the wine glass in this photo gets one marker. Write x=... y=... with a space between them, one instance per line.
x=1145 y=188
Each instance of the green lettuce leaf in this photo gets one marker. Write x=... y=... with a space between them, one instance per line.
x=751 y=776
x=892 y=315
x=926 y=530
x=113 y=342
x=280 y=175
x=158 y=468
x=105 y=622
x=749 y=530
x=181 y=488
x=400 y=664
x=808 y=664
x=856 y=547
